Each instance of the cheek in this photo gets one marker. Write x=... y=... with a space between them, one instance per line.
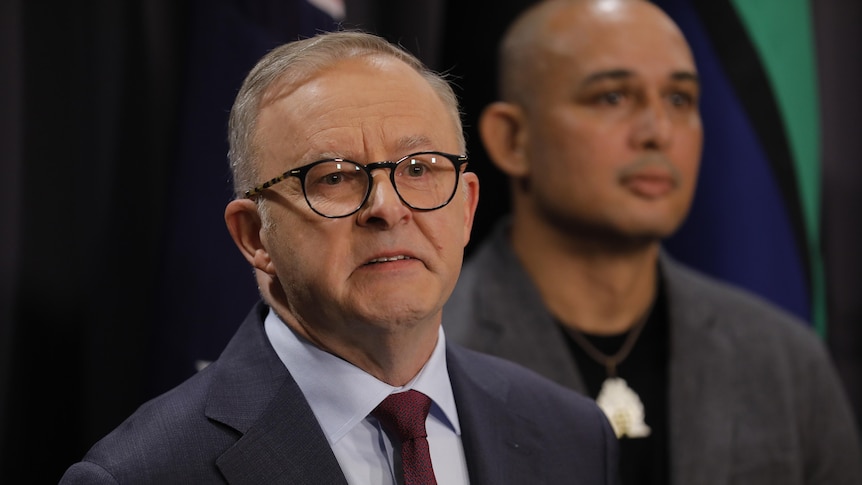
x=574 y=145
x=303 y=258
x=285 y=253
x=687 y=153
x=444 y=232
x=576 y=165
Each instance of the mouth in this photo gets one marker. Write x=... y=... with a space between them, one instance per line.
x=650 y=185
x=651 y=177
x=387 y=259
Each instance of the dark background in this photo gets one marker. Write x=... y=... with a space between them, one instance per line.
x=116 y=272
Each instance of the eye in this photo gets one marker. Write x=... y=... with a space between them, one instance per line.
x=333 y=174
x=610 y=98
x=420 y=166
x=681 y=99
x=613 y=98
x=416 y=169
x=333 y=179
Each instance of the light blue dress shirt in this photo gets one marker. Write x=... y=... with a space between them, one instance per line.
x=342 y=396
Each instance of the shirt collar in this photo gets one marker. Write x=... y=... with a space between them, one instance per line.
x=341 y=395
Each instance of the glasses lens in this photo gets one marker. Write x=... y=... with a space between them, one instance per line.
x=335 y=188
x=426 y=180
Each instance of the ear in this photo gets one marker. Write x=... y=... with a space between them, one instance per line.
x=471 y=201
x=244 y=224
x=504 y=135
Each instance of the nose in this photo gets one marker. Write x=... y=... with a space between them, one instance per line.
x=384 y=207
x=652 y=125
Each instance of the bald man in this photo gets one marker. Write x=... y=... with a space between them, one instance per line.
x=600 y=135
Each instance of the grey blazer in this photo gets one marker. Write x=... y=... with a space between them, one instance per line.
x=243 y=420
x=754 y=397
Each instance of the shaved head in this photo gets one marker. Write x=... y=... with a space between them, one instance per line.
x=599 y=127
x=547 y=28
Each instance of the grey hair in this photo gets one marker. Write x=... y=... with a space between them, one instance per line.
x=294 y=63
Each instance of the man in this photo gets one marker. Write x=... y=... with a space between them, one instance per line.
x=354 y=260
x=600 y=134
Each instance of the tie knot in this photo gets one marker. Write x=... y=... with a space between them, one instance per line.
x=404 y=414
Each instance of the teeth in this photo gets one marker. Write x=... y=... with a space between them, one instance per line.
x=386 y=260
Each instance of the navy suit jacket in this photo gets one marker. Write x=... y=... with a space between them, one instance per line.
x=243 y=419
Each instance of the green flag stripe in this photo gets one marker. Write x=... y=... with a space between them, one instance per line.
x=781 y=31
x=743 y=65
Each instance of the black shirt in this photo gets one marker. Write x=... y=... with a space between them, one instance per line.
x=643 y=461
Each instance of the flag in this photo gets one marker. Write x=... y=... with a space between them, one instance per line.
x=755 y=217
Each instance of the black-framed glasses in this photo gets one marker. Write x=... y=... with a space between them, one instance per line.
x=337 y=187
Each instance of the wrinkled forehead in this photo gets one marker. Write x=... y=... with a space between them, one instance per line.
x=356 y=108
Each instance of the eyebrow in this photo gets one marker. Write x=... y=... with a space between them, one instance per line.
x=620 y=74
x=406 y=144
x=413 y=142
x=685 y=76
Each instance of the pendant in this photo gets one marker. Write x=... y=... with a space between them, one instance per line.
x=623 y=407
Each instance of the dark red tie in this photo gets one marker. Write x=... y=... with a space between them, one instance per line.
x=403 y=417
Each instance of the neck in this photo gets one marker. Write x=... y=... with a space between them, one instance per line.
x=590 y=285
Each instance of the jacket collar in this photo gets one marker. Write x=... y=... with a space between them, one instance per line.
x=495 y=451
x=254 y=396
x=700 y=378
x=512 y=321
x=511 y=318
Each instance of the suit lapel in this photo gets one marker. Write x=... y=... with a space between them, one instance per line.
x=513 y=311
x=495 y=454
x=286 y=445
x=280 y=439
x=702 y=420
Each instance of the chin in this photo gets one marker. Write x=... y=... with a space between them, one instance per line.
x=652 y=226
x=623 y=232
x=398 y=319
x=649 y=235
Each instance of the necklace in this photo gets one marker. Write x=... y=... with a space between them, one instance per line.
x=620 y=403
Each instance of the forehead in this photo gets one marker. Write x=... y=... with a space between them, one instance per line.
x=632 y=36
x=358 y=108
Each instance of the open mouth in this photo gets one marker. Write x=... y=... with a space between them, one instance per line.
x=387 y=259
